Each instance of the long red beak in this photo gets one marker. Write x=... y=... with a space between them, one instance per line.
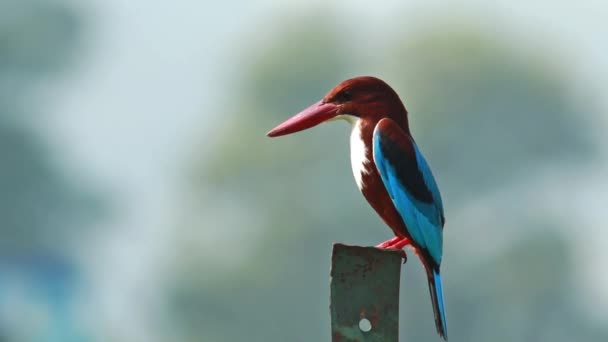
x=307 y=118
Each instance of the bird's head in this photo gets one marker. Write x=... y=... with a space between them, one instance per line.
x=365 y=97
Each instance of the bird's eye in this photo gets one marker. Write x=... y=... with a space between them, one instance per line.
x=344 y=95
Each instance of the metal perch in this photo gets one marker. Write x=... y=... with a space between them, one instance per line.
x=365 y=294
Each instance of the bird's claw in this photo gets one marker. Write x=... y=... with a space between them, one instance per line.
x=402 y=254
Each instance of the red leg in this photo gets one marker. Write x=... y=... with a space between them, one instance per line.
x=388 y=243
x=400 y=244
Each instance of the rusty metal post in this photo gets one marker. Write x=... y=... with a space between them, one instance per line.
x=364 y=294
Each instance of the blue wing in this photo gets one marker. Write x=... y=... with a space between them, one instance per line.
x=411 y=185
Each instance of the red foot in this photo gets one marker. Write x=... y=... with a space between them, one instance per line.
x=396 y=243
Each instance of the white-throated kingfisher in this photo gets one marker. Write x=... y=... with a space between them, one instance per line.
x=389 y=170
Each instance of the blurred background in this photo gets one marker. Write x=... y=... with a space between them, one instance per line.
x=141 y=201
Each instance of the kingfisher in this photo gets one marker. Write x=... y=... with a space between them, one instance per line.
x=389 y=170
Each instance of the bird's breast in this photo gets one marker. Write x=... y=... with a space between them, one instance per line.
x=367 y=177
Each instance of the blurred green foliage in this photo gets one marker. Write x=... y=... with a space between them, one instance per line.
x=37 y=38
x=485 y=116
x=44 y=214
x=487 y=113
x=40 y=207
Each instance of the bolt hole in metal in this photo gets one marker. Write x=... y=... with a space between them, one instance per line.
x=365 y=325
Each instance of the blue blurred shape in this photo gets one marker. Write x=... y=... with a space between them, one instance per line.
x=37 y=297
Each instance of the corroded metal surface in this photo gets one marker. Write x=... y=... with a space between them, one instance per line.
x=364 y=290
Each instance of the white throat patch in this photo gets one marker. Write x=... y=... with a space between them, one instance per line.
x=358 y=153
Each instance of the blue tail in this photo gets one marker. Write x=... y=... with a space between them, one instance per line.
x=438 y=307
